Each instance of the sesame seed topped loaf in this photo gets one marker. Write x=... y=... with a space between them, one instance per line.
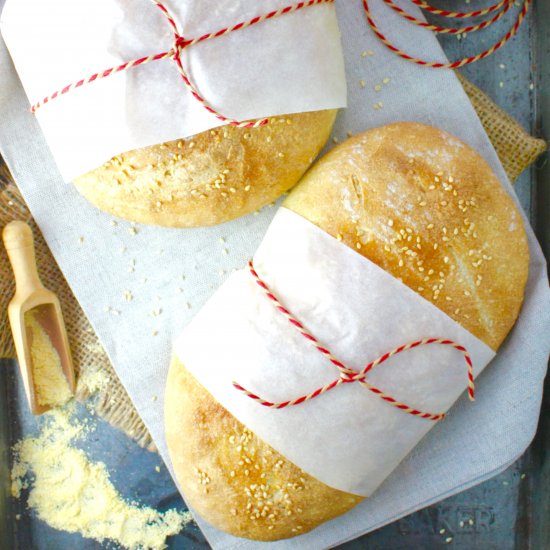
x=212 y=177
x=426 y=208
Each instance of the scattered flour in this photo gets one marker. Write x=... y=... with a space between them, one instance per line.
x=71 y=493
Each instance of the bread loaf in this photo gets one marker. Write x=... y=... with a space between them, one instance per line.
x=209 y=178
x=427 y=209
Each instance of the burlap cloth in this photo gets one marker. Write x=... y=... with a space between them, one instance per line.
x=97 y=378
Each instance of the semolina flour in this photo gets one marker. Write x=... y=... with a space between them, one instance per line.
x=71 y=493
x=50 y=383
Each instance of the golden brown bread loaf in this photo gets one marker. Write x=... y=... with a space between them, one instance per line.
x=212 y=177
x=427 y=209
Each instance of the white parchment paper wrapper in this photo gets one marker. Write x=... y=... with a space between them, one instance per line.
x=350 y=438
x=292 y=63
x=474 y=443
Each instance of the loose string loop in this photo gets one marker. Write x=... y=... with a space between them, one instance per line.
x=180 y=43
x=348 y=375
x=504 y=4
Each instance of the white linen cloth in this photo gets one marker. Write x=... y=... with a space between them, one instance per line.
x=474 y=443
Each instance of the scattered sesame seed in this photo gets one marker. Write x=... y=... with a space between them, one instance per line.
x=154 y=398
x=377 y=87
x=128 y=296
x=442 y=531
x=155 y=332
x=132 y=230
x=448 y=540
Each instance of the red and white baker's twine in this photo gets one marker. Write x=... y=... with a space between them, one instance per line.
x=502 y=5
x=180 y=43
x=348 y=375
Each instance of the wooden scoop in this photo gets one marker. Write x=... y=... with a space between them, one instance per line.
x=31 y=298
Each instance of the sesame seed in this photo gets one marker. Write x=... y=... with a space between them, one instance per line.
x=377 y=87
x=386 y=80
x=362 y=83
x=358 y=245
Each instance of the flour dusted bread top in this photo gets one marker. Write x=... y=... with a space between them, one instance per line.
x=427 y=209
x=209 y=178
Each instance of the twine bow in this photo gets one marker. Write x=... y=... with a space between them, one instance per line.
x=348 y=375
x=174 y=53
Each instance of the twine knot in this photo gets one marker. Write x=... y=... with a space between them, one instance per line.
x=180 y=43
x=348 y=375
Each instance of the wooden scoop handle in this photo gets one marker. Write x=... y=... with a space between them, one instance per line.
x=19 y=245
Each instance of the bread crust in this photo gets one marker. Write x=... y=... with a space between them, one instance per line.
x=402 y=187
x=209 y=178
